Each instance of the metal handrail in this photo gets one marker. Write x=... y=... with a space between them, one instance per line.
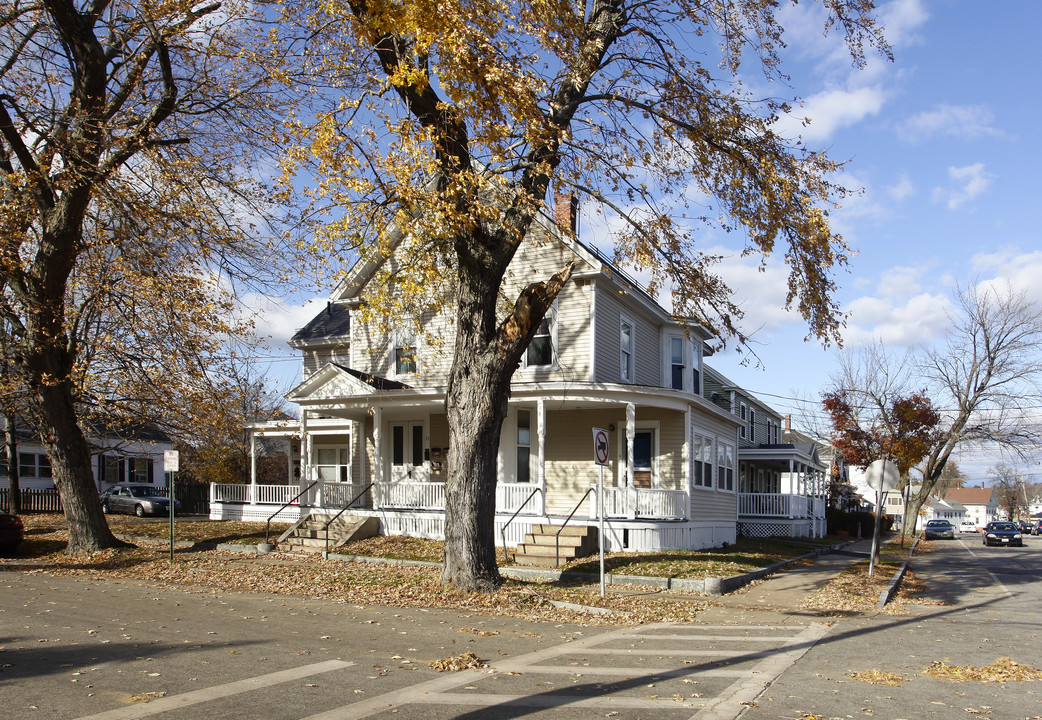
x=341 y=512
x=557 y=537
x=503 y=532
x=267 y=526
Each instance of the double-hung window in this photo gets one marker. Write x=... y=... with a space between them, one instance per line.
x=701 y=460
x=725 y=466
x=677 y=365
x=404 y=352
x=626 y=341
x=524 y=446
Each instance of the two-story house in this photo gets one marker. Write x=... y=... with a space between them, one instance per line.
x=607 y=356
x=782 y=483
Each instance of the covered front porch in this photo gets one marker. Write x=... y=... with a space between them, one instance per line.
x=783 y=491
x=384 y=452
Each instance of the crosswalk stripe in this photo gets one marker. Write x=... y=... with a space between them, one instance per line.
x=219 y=691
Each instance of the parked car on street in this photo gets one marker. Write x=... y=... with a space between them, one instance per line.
x=968 y=526
x=138 y=498
x=939 y=530
x=1025 y=526
x=1003 y=532
x=1037 y=530
x=11 y=532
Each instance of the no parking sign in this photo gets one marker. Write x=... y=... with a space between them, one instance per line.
x=600 y=446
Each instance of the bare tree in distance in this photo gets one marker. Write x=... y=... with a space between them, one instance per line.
x=986 y=378
x=1010 y=491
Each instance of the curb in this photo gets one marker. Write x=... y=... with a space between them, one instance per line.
x=886 y=595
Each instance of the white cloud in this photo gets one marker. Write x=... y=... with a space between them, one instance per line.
x=1010 y=266
x=901 y=19
x=827 y=112
x=968 y=183
x=903 y=189
x=964 y=121
x=896 y=322
x=277 y=320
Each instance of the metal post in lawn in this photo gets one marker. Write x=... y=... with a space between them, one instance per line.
x=171 y=464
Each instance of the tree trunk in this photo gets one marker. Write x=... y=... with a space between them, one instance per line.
x=14 y=494
x=71 y=471
x=47 y=368
x=475 y=405
x=486 y=356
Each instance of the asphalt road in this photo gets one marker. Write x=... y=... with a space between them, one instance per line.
x=991 y=611
x=82 y=648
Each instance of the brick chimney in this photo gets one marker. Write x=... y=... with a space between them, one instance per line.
x=566 y=212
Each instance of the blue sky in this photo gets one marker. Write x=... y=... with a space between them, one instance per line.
x=943 y=144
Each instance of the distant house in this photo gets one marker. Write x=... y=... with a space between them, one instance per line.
x=981 y=503
x=127 y=455
x=783 y=489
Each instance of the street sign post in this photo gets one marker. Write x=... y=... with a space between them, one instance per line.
x=171 y=464
x=600 y=456
x=882 y=476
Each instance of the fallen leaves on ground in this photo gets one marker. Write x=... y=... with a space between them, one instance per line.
x=878 y=677
x=146 y=697
x=1002 y=670
x=341 y=581
x=455 y=663
x=854 y=591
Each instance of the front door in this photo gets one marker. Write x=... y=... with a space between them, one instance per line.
x=408 y=457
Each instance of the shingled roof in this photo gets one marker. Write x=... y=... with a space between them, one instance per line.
x=333 y=322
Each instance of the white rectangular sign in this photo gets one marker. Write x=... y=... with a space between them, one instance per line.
x=171 y=461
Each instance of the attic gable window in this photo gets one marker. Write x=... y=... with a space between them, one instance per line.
x=541 y=351
x=404 y=352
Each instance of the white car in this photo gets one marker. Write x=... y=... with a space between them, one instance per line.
x=967 y=526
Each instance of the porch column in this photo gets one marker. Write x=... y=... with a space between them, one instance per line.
x=688 y=462
x=358 y=450
x=289 y=460
x=378 y=458
x=540 y=463
x=253 y=467
x=631 y=433
x=308 y=477
x=793 y=487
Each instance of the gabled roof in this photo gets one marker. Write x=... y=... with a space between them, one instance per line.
x=970 y=496
x=333 y=322
x=598 y=266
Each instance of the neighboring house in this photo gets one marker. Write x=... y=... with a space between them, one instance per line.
x=981 y=503
x=132 y=455
x=607 y=356
x=782 y=483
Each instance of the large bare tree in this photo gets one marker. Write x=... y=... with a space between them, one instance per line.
x=452 y=123
x=987 y=375
x=128 y=145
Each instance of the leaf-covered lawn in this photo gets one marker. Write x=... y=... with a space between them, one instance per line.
x=746 y=555
x=367 y=583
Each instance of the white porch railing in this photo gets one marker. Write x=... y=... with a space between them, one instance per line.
x=773 y=505
x=336 y=494
x=641 y=502
x=258 y=494
x=411 y=495
x=510 y=497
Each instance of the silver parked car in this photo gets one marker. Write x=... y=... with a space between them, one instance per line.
x=138 y=498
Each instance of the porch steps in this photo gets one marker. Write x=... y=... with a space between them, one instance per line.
x=540 y=548
x=310 y=537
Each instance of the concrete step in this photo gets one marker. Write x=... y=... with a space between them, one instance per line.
x=566 y=541
x=536 y=561
x=546 y=529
